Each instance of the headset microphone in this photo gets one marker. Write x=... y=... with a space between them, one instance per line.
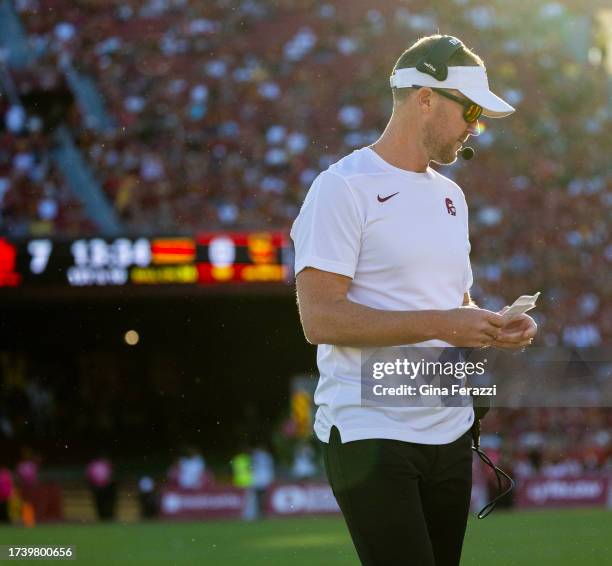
x=467 y=153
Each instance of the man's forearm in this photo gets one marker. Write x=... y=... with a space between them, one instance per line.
x=345 y=323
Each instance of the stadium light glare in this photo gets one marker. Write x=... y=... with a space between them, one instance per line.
x=131 y=338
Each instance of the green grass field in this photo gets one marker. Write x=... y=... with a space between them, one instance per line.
x=556 y=538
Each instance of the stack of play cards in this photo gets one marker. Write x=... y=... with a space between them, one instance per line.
x=523 y=304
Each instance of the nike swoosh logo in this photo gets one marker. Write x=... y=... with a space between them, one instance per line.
x=383 y=199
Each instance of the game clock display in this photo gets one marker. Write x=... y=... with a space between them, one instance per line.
x=209 y=258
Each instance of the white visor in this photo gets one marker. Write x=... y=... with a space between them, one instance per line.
x=471 y=81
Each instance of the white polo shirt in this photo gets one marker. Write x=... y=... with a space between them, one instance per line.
x=403 y=238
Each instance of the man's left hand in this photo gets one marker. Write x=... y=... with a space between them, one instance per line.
x=516 y=334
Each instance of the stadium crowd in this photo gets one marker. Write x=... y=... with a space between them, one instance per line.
x=35 y=200
x=224 y=112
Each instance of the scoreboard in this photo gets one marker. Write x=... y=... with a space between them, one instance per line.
x=210 y=258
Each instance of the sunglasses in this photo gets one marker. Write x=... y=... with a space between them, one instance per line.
x=471 y=112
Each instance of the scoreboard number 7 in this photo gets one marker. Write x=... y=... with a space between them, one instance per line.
x=40 y=250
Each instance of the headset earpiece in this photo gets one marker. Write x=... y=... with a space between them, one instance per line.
x=435 y=63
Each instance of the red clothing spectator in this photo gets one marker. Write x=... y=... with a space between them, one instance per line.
x=6 y=490
x=27 y=472
x=103 y=487
x=99 y=472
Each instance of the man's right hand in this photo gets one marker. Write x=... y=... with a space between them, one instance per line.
x=329 y=317
x=470 y=327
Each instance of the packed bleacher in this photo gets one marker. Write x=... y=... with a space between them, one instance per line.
x=35 y=200
x=224 y=112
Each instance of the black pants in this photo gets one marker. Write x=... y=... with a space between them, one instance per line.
x=404 y=503
x=4 y=512
x=105 y=498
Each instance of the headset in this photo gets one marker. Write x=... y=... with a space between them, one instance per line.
x=435 y=64
x=480 y=405
x=435 y=61
x=481 y=408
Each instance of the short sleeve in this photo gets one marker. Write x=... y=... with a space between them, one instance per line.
x=327 y=231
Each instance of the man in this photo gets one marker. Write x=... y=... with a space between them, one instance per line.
x=382 y=259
